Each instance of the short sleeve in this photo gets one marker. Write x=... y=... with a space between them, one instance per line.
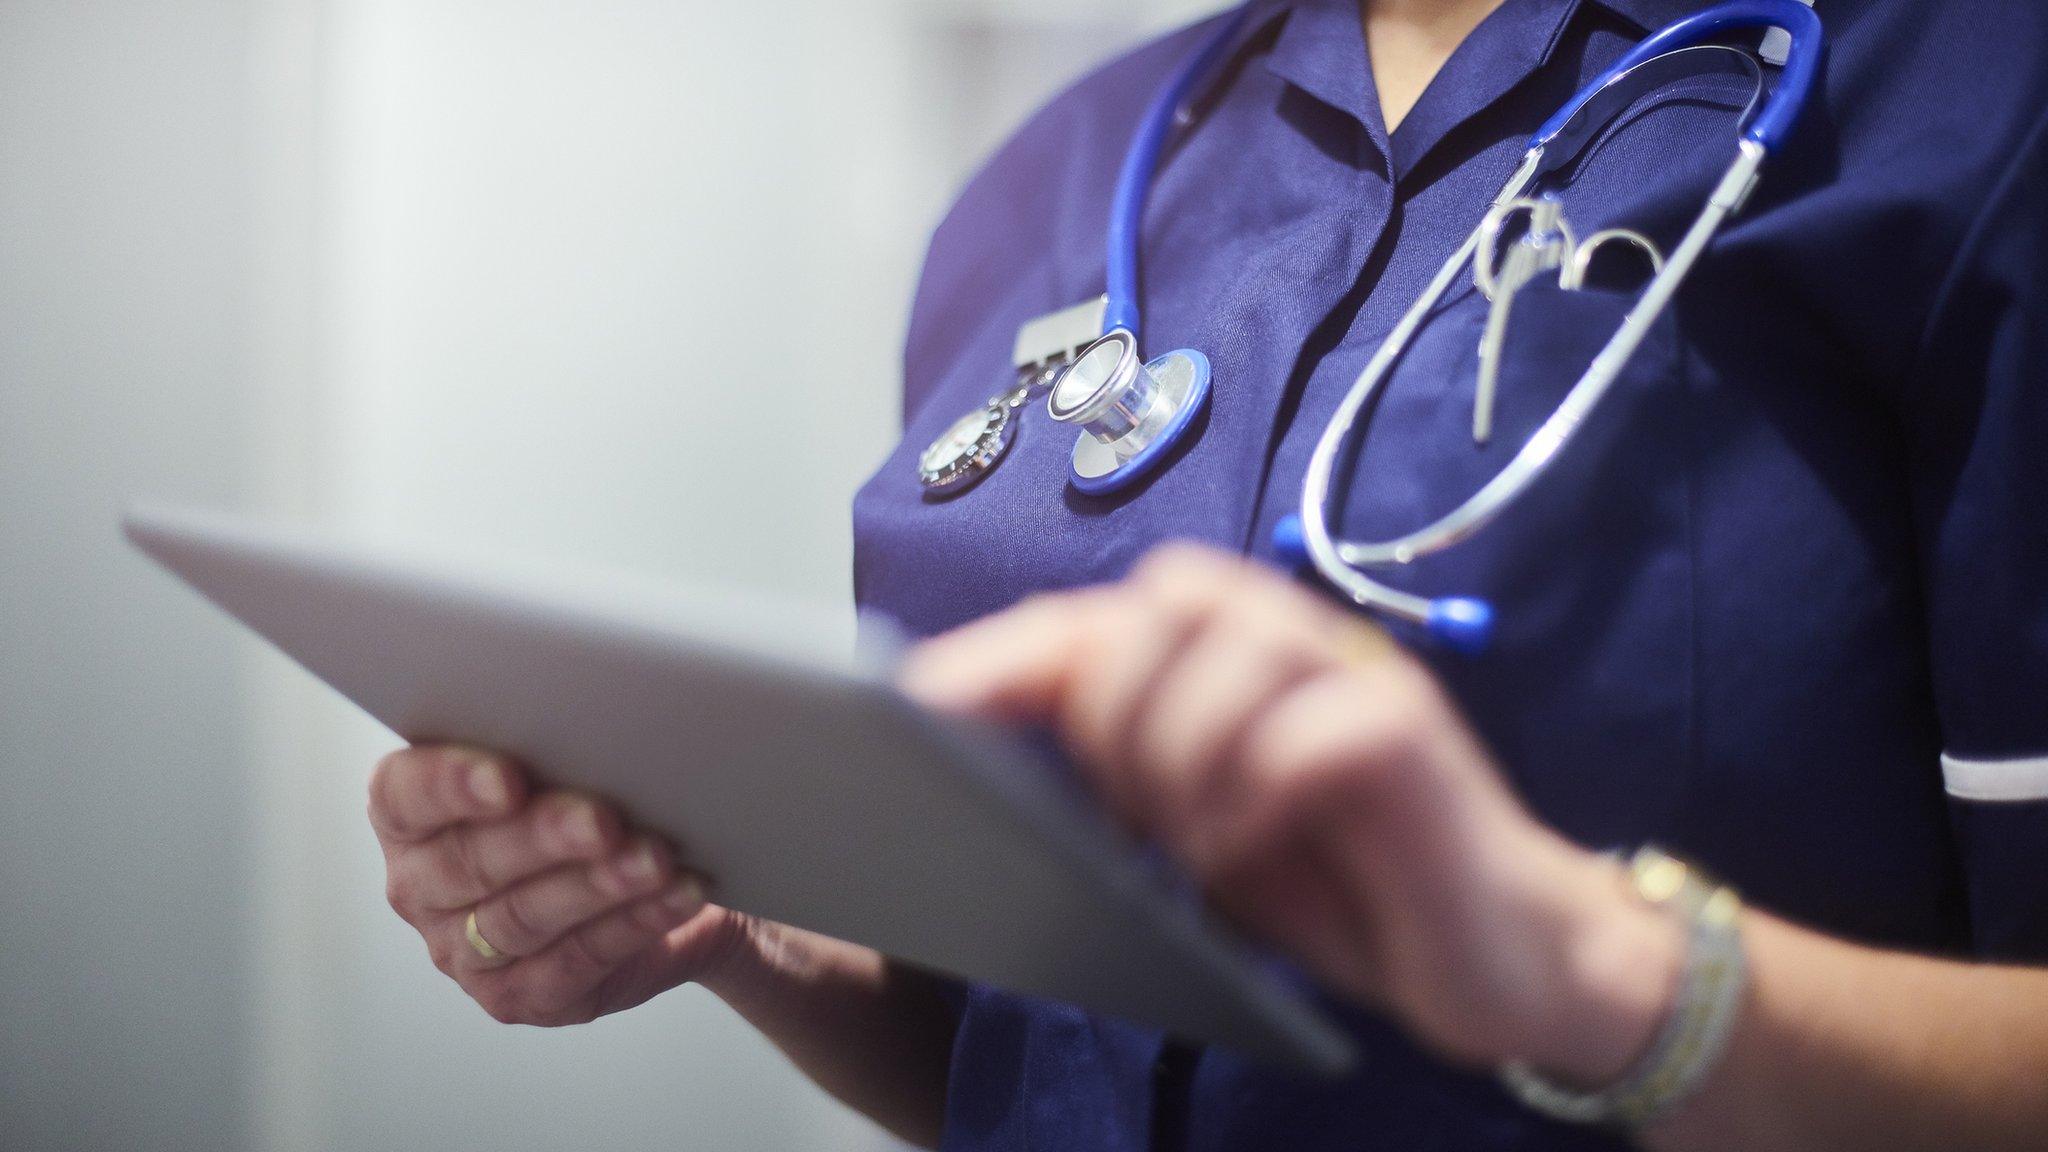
x=1977 y=426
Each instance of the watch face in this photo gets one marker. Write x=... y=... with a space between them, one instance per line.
x=966 y=451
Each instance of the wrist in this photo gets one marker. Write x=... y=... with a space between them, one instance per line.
x=1619 y=968
x=1694 y=1032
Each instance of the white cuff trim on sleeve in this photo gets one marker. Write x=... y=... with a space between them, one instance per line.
x=1996 y=780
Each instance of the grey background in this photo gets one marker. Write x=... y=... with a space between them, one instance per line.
x=518 y=273
x=124 y=825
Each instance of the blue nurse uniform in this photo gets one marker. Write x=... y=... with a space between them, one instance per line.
x=1782 y=607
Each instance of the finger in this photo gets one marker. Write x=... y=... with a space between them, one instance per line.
x=1172 y=595
x=1323 y=743
x=1009 y=666
x=1013 y=665
x=562 y=982
x=1189 y=731
x=530 y=917
x=469 y=862
x=1375 y=752
x=1118 y=664
x=1262 y=596
x=1265 y=636
x=1132 y=671
x=417 y=792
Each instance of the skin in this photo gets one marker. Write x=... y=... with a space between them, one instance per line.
x=591 y=917
x=1328 y=795
x=1326 y=792
x=1409 y=41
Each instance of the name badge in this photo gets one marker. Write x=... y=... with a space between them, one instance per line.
x=1056 y=337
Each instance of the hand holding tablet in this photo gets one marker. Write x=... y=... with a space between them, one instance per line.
x=809 y=789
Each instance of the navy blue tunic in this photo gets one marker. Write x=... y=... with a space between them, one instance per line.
x=1793 y=571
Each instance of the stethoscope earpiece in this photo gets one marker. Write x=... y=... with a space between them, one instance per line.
x=1290 y=542
x=1460 y=623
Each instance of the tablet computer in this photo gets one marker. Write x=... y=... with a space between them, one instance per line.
x=795 y=776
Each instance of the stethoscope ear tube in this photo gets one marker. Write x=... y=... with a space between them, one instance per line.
x=1460 y=623
x=1134 y=179
x=1788 y=96
x=1130 y=445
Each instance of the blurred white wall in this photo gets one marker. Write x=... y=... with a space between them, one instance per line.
x=522 y=274
x=125 y=828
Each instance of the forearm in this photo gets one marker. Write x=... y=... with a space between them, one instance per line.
x=1844 y=1047
x=876 y=1035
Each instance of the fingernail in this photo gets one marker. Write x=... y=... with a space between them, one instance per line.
x=487 y=784
x=685 y=897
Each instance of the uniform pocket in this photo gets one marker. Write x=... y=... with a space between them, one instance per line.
x=1587 y=690
x=1421 y=459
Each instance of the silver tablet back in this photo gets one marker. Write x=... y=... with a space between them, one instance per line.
x=808 y=789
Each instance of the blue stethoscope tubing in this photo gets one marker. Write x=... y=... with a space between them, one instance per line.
x=1141 y=163
x=1465 y=624
x=1122 y=265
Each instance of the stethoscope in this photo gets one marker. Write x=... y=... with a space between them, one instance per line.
x=1676 y=52
x=1132 y=412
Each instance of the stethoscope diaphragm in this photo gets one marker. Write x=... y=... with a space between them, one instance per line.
x=1130 y=413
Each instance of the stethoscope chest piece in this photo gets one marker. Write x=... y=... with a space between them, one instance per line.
x=1131 y=414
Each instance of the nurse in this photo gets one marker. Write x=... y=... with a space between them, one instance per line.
x=1782 y=610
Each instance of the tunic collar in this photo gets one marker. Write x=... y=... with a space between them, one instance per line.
x=1318 y=47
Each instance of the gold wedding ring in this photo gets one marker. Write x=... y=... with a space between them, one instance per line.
x=476 y=939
